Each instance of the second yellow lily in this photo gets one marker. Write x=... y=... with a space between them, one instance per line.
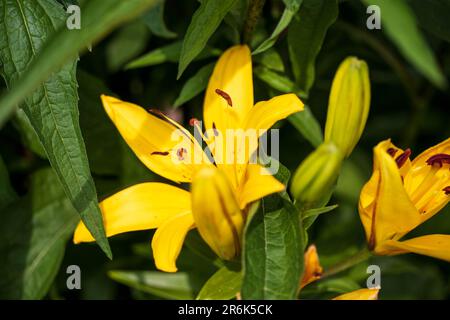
x=220 y=192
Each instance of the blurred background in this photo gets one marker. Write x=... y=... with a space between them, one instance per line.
x=405 y=107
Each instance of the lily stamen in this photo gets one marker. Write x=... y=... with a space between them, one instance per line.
x=446 y=190
x=226 y=96
x=159 y=153
x=392 y=152
x=401 y=159
x=439 y=159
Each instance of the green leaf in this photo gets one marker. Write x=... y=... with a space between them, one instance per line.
x=195 y=85
x=165 y=285
x=33 y=235
x=399 y=23
x=154 y=19
x=7 y=193
x=169 y=53
x=308 y=126
x=270 y=59
x=433 y=16
x=273 y=251
x=29 y=135
x=203 y=24
x=102 y=138
x=223 y=285
x=275 y=80
x=310 y=216
x=52 y=107
x=305 y=38
x=99 y=17
x=289 y=12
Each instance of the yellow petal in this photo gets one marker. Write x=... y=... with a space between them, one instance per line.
x=140 y=207
x=168 y=241
x=258 y=182
x=313 y=269
x=361 y=294
x=233 y=76
x=216 y=213
x=385 y=208
x=163 y=146
x=435 y=245
x=425 y=183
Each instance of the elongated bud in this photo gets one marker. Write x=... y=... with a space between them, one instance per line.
x=349 y=104
x=316 y=176
x=216 y=212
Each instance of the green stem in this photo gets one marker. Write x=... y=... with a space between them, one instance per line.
x=254 y=11
x=355 y=259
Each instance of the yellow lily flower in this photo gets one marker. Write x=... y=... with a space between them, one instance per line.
x=360 y=294
x=401 y=195
x=313 y=269
x=220 y=192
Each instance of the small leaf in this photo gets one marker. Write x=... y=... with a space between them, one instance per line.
x=317 y=211
x=275 y=80
x=308 y=126
x=305 y=37
x=169 y=53
x=225 y=284
x=154 y=19
x=399 y=23
x=203 y=24
x=165 y=285
x=273 y=251
x=291 y=9
x=195 y=85
x=270 y=59
x=33 y=235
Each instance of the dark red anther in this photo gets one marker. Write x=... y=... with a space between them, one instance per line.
x=401 y=159
x=439 y=159
x=446 y=190
x=193 y=122
x=226 y=96
x=180 y=153
x=165 y=153
x=392 y=152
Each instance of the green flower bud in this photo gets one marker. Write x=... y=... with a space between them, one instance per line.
x=349 y=104
x=314 y=179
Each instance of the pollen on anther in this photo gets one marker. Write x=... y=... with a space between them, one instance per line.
x=225 y=95
x=439 y=159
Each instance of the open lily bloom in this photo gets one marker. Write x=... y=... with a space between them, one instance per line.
x=401 y=195
x=220 y=191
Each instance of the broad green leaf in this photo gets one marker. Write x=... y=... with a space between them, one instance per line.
x=305 y=38
x=7 y=193
x=129 y=42
x=225 y=284
x=165 y=285
x=154 y=19
x=52 y=107
x=29 y=135
x=270 y=59
x=102 y=138
x=33 y=235
x=275 y=80
x=169 y=53
x=308 y=126
x=273 y=251
x=204 y=22
x=433 y=16
x=99 y=17
x=399 y=23
x=291 y=9
x=195 y=85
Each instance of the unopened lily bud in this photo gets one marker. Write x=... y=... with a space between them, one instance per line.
x=316 y=175
x=349 y=104
x=216 y=212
